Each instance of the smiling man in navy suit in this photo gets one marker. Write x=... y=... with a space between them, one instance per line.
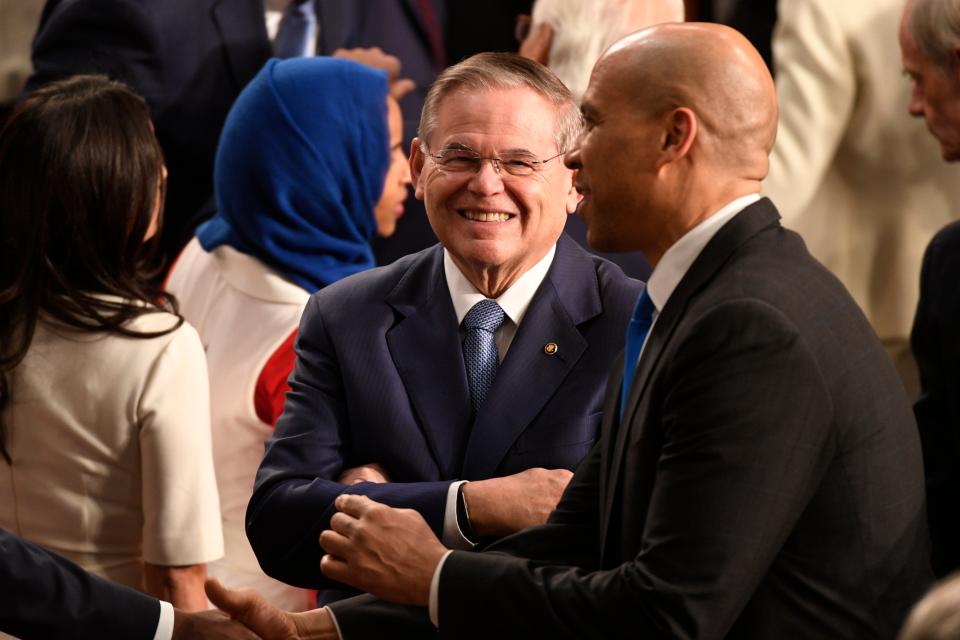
x=480 y=359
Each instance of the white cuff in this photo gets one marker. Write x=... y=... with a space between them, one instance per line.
x=434 y=607
x=336 y=625
x=453 y=537
x=165 y=622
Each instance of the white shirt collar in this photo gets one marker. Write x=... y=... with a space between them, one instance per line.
x=514 y=301
x=678 y=258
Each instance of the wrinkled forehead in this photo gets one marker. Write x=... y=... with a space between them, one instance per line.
x=519 y=117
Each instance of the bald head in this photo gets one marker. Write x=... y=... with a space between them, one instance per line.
x=709 y=69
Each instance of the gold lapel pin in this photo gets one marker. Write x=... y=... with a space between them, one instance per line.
x=550 y=348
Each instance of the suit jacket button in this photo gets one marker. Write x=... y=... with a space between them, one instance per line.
x=550 y=348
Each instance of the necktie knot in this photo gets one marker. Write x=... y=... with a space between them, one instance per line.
x=486 y=315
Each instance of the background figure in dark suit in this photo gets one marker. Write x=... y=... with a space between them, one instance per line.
x=759 y=476
x=930 y=50
x=382 y=402
x=47 y=596
x=188 y=58
x=936 y=345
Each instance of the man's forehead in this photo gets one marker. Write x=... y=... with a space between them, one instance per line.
x=493 y=95
x=509 y=111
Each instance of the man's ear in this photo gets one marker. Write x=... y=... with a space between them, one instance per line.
x=416 y=167
x=573 y=197
x=536 y=45
x=680 y=131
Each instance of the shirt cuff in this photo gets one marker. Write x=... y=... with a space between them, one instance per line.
x=453 y=537
x=165 y=622
x=336 y=625
x=434 y=607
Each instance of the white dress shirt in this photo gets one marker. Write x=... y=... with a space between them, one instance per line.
x=664 y=279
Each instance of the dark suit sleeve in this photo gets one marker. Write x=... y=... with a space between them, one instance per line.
x=46 y=596
x=295 y=489
x=744 y=419
x=936 y=345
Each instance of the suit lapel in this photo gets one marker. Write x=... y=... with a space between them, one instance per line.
x=529 y=376
x=718 y=250
x=233 y=24
x=425 y=348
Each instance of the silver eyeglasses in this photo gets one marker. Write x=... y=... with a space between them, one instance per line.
x=463 y=160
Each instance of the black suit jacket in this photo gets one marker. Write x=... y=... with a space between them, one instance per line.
x=936 y=345
x=765 y=481
x=47 y=596
x=188 y=58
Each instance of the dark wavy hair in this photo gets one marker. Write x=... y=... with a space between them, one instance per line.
x=81 y=178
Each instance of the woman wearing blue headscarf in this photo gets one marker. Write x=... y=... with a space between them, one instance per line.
x=308 y=169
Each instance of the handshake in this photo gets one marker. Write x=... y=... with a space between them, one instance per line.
x=390 y=553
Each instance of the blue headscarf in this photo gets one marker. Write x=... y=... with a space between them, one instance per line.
x=300 y=167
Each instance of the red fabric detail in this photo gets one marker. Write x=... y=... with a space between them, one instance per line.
x=272 y=387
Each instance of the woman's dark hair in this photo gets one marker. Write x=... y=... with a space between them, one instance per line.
x=81 y=178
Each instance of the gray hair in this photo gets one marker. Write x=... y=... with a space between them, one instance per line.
x=486 y=71
x=582 y=31
x=935 y=27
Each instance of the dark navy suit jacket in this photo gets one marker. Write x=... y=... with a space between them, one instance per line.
x=188 y=58
x=380 y=378
x=47 y=596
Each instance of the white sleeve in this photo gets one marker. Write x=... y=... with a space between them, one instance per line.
x=165 y=622
x=336 y=625
x=453 y=537
x=816 y=90
x=434 y=603
x=181 y=508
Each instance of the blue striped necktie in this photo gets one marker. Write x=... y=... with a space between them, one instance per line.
x=637 y=332
x=480 y=348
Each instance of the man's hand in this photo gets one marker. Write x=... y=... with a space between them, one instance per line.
x=270 y=623
x=390 y=553
x=501 y=506
x=364 y=473
x=208 y=625
x=376 y=58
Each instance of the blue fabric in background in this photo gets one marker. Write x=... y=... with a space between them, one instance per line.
x=300 y=167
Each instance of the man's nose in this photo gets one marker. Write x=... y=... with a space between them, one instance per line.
x=488 y=178
x=572 y=158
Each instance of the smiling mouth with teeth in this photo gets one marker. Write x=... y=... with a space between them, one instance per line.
x=485 y=216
